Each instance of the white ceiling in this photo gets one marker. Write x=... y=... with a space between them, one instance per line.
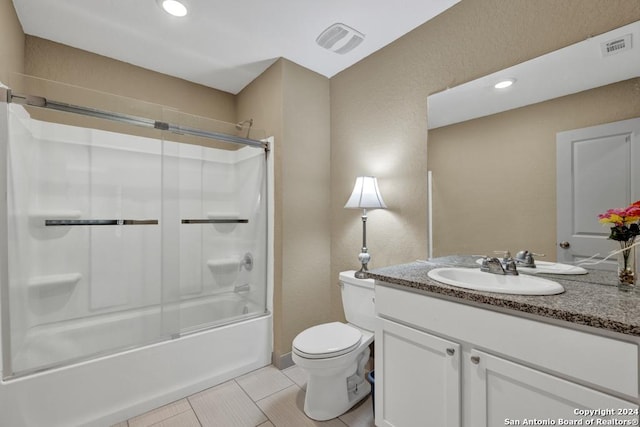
x=223 y=44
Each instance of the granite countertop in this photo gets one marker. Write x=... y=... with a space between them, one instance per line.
x=592 y=299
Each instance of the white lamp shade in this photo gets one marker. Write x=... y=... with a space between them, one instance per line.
x=366 y=194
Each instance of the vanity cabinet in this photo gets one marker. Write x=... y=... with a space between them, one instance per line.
x=444 y=363
x=503 y=390
x=417 y=376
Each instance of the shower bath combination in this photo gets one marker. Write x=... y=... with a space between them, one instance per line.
x=127 y=253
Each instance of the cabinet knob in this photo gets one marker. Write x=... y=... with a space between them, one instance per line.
x=475 y=359
x=564 y=244
x=451 y=351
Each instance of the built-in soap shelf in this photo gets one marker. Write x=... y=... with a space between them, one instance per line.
x=223 y=265
x=54 y=282
x=225 y=222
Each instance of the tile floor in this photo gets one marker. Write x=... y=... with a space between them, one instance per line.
x=266 y=397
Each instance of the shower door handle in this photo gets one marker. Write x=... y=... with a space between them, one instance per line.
x=77 y=222
x=215 y=221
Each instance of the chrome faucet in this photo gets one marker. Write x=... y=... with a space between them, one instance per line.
x=492 y=265
x=506 y=266
x=525 y=259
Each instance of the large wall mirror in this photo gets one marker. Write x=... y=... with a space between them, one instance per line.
x=492 y=152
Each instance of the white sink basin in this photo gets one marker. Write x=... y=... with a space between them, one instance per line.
x=472 y=278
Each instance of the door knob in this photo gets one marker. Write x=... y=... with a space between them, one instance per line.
x=564 y=244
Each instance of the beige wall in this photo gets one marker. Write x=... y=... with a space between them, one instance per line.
x=262 y=100
x=305 y=187
x=11 y=42
x=501 y=171
x=62 y=63
x=292 y=104
x=378 y=108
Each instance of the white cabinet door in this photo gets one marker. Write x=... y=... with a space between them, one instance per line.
x=507 y=393
x=417 y=378
x=598 y=168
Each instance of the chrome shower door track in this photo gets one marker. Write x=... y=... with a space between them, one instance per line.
x=42 y=102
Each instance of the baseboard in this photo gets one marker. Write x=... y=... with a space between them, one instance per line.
x=283 y=362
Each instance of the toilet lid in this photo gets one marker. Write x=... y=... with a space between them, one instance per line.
x=326 y=340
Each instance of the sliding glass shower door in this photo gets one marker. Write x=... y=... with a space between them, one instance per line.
x=120 y=237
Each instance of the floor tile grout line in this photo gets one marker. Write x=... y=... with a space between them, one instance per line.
x=292 y=380
x=193 y=409
x=270 y=394
x=261 y=399
x=175 y=415
x=253 y=401
x=128 y=420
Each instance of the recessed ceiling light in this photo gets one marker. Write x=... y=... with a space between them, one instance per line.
x=173 y=7
x=503 y=84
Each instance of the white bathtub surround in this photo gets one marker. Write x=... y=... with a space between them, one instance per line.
x=104 y=322
x=109 y=389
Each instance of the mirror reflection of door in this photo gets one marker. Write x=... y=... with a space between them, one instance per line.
x=598 y=168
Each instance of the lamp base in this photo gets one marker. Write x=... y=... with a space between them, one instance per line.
x=362 y=273
x=364 y=259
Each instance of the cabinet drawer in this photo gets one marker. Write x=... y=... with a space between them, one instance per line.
x=602 y=362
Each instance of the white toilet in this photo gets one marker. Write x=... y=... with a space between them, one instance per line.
x=334 y=354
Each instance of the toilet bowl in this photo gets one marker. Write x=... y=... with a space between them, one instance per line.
x=334 y=354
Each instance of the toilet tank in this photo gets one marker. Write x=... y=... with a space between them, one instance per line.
x=358 y=300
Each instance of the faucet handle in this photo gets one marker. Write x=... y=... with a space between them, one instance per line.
x=510 y=268
x=485 y=262
x=525 y=258
x=506 y=256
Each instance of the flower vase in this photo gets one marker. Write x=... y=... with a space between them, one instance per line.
x=627 y=266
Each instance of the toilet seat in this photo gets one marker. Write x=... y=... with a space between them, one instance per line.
x=327 y=340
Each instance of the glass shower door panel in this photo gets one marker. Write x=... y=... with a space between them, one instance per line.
x=124 y=294
x=77 y=288
x=251 y=186
x=47 y=176
x=192 y=274
x=125 y=186
x=233 y=259
x=215 y=208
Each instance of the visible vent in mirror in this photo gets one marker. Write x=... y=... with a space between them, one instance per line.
x=617 y=45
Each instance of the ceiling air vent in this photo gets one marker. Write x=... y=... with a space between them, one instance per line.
x=340 y=38
x=617 y=45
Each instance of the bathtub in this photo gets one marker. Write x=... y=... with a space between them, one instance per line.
x=105 y=390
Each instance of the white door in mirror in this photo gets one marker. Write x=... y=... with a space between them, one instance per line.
x=597 y=169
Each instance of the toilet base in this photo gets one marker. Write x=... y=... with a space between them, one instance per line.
x=321 y=405
x=333 y=391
